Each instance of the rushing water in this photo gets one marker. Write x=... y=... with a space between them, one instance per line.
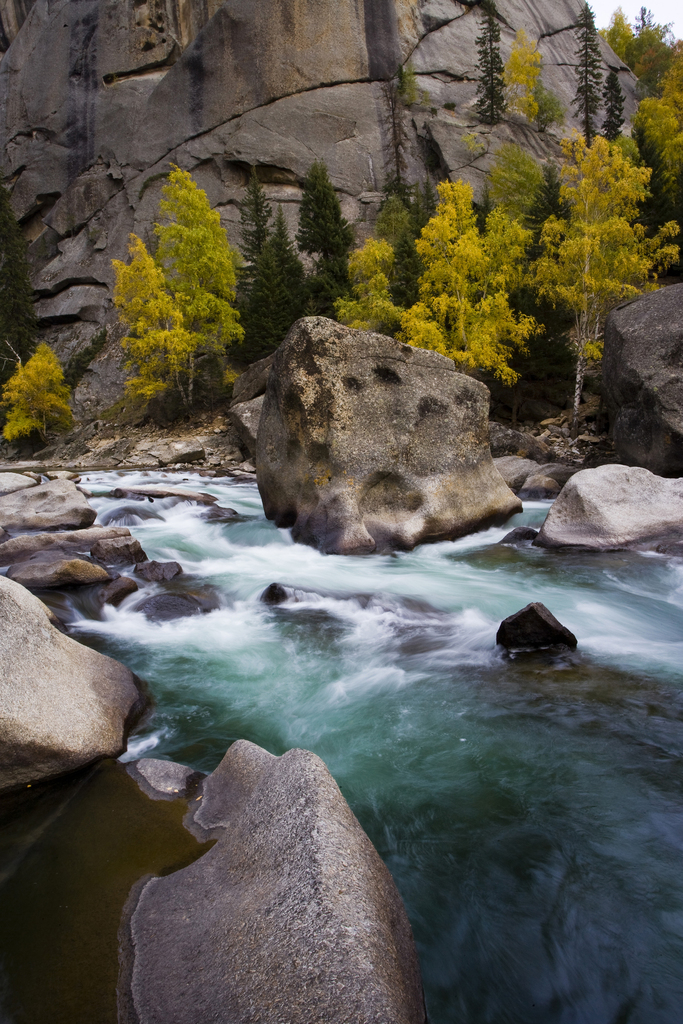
x=529 y=809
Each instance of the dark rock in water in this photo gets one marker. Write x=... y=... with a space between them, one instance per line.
x=118 y=551
x=368 y=445
x=217 y=514
x=519 y=535
x=165 y=607
x=113 y=593
x=62 y=705
x=274 y=594
x=539 y=487
x=164 y=780
x=642 y=374
x=52 y=506
x=292 y=915
x=506 y=441
x=128 y=515
x=614 y=507
x=158 y=572
x=532 y=628
x=72 y=572
x=252 y=382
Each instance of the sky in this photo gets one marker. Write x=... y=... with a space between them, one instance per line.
x=663 y=11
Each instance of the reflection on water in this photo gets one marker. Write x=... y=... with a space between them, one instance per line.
x=530 y=809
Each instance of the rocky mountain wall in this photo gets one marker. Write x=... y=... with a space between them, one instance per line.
x=98 y=97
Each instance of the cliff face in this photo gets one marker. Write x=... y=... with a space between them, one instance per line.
x=97 y=97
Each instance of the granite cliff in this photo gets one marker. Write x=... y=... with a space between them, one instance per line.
x=97 y=97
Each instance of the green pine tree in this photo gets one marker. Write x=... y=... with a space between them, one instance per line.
x=18 y=323
x=327 y=236
x=405 y=287
x=613 y=99
x=255 y=216
x=491 y=89
x=276 y=296
x=588 y=73
x=548 y=201
x=659 y=206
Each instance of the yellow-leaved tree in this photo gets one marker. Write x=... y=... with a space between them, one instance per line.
x=36 y=396
x=521 y=75
x=464 y=310
x=371 y=308
x=177 y=304
x=597 y=256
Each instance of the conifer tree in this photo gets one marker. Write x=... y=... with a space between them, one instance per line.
x=613 y=99
x=327 y=236
x=276 y=297
x=548 y=201
x=255 y=216
x=408 y=267
x=18 y=323
x=588 y=73
x=491 y=89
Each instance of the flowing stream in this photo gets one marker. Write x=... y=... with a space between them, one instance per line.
x=530 y=809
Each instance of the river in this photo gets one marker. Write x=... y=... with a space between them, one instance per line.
x=530 y=809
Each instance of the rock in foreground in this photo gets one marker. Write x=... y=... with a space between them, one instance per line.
x=291 y=916
x=367 y=445
x=62 y=705
x=65 y=572
x=533 y=628
x=642 y=372
x=57 y=505
x=615 y=507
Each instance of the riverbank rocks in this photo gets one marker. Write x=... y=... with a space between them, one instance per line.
x=118 y=551
x=73 y=572
x=291 y=916
x=642 y=373
x=538 y=486
x=614 y=507
x=56 y=505
x=515 y=470
x=245 y=418
x=52 y=546
x=533 y=628
x=506 y=441
x=11 y=482
x=62 y=705
x=367 y=445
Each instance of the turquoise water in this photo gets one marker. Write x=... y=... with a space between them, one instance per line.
x=529 y=809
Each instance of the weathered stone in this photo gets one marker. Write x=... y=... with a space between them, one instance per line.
x=252 y=382
x=154 y=491
x=245 y=418
x=166 y=607
x=82 y=302
x=366 y=444
x=506 y=441
x=72 y=572
x=167 y=453
x=51 y=546
x=218 y=514
x=158 y=572
x=642 y=372
x=515 y=470
x=520 y=535
x=118 y=551
x=292 y=914
x=558 y=471
x=275 y=593
x=533 y=628
x=62 y=705
x=62 y=474
x=115 y=592
x=614 y=507
x=537 y=486
x=11 y=482
x=55 y=505
x=164 y=780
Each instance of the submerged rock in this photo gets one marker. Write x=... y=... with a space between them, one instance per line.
x=292 y=915
x=533 y=628
x=164 y=780
x=218 y=514
x=520 y=535
x=52 y=506
x=71 y=572
x=114 y=593
x=367 y=445
x=642 y=373
x=62 y=705
x=158 y=572
x=166 y=607
x=274 y=594
x=11 y=482
x=613 y=507
x=118 y=551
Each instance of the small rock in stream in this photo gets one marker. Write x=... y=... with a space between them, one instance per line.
x=533 y=628
x=158 y=572
x=519 y=535
x=164 y=780
x=218 y=514
x=114 y=593
x=166 y=607
x=119 y=551
x=274 y=594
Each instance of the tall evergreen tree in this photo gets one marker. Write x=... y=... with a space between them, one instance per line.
x=613 y=99
x=18 y=323
x=548 y=200
x=588 y=73
x=327 y=236
x=405 y=288
x=276 y=297
x=255 y=216
x=491 y=89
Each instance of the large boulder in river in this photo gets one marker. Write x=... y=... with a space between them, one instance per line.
x=614 y=507
x=291 y=916
x=11 y=482
x=65 y=572
x=642 y=373
x=52 y=506
x=367 y=445
x=48 y=547
x=62 y=705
